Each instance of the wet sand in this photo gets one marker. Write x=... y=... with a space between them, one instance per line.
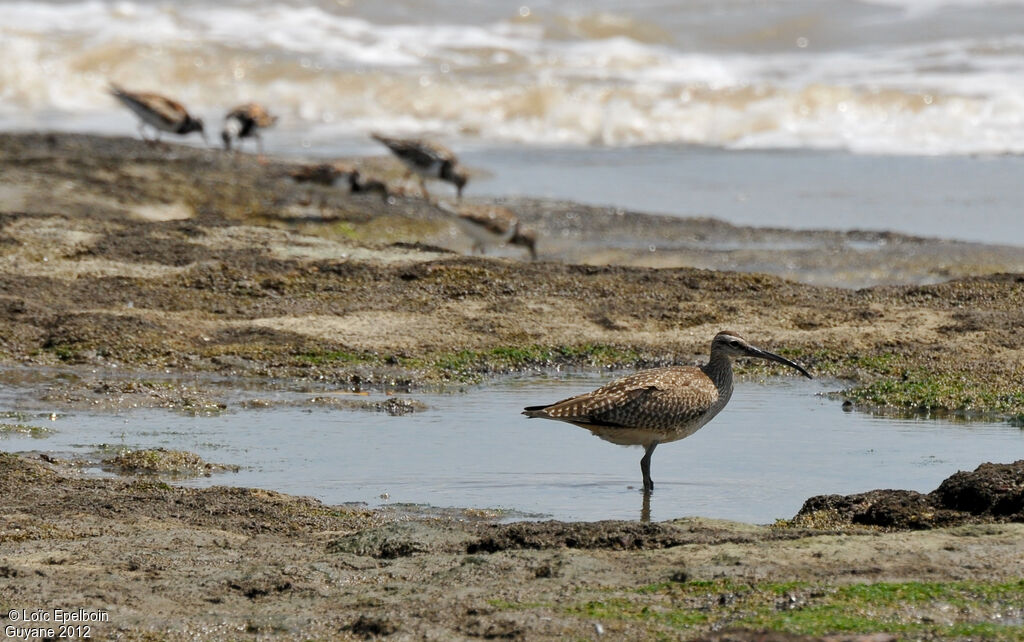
x=158 y=262
x=171 y=563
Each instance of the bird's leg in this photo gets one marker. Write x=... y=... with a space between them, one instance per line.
x=423 y=188
x=645 y=467
x=259 y=147
x=405 y=182
x=142 y=134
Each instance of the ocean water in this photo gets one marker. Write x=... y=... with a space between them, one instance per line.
x=603 y=82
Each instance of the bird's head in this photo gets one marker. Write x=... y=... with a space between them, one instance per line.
x=734 y=346
x=527 y=239
x=195 y=125
x=452 y=173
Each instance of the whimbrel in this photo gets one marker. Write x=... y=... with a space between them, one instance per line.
x=492 y=225
x=426 y=159
x=659 y=405
x=246 y=121
x=159 y=112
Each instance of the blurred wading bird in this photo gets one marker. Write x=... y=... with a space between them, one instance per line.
x=246 y=121
x=159 y=112
x=659 y=405
x=492 y=225
x=427 y=160
x=321 y=173
x=327 y=174
x=359 y=184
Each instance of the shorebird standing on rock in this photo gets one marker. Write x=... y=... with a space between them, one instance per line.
x=492 y=225
x=327 y=174
x=159 y=112
x=426 y=159
x=246 y=121
x=660 y=405
x=320 y=173
x=359 y=184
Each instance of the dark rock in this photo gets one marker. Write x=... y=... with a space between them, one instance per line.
x=372 y=627
x=992 y=492
x=995 y=490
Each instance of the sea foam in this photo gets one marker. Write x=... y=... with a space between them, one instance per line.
x=560 y=78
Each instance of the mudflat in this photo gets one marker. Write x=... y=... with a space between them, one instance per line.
x=157 y=261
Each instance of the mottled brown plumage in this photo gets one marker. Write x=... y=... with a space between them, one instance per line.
x=659 y=405
x=159 y=112
x=320 y=173
x=427 y=159
x=246 y=121
x=492 y=225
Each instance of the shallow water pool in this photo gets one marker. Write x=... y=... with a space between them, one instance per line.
x=774 y=445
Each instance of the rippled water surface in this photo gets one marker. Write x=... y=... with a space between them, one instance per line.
x=774 y=445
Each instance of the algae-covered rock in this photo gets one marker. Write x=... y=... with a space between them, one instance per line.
x=176 y=463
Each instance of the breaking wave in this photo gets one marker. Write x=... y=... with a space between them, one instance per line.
x=544 y=75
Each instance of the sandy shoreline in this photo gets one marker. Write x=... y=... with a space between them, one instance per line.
x=161 y=262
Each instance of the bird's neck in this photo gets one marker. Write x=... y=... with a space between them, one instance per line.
x=719 y=370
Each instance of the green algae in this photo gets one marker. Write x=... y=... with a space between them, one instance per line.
x=908 y=385
x=24 y=430
x=930 y=610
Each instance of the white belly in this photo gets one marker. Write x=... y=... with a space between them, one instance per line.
x=483 y=235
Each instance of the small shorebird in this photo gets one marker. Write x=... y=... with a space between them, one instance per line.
x=159 y=112
x=358 y=184
x=427 y=160
x=246 y=121
x=491 y=225
x=321 y=173
x=659 y=405
x=327 y=174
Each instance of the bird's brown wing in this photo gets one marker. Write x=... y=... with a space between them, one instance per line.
x=170 y=110
x=322 y=173
x=255 y=112
x=657 y=398
x=420 y=153
x=496 y=220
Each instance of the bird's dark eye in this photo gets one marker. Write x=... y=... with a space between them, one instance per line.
x=734 y=344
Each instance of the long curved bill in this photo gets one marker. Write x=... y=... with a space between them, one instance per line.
x=771 y=356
